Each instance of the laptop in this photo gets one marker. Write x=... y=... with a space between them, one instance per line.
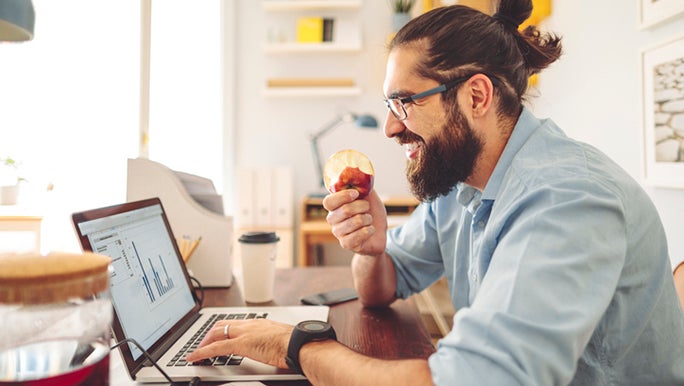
x=153 y=298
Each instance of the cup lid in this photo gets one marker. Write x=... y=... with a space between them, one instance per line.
x=259 y=238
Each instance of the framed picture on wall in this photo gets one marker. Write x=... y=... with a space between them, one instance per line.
x=653 y=12
x=663 y=113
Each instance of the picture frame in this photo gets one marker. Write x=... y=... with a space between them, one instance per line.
x=654 y=12
x=663 y=114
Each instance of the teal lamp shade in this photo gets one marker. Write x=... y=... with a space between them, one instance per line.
x=17 y=19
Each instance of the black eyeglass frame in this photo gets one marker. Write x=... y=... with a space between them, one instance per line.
x=436 y=90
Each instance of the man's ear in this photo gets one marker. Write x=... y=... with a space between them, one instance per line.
x=481 y=94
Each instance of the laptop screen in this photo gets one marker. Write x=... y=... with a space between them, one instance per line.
x=149 y=289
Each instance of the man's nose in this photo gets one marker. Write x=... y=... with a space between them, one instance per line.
x=393 y=126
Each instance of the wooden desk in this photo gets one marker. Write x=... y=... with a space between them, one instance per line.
x=396 y=332
x=314 y=230
x=392 y=333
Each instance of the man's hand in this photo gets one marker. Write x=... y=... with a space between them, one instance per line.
x=262 y=340
x=360 y=225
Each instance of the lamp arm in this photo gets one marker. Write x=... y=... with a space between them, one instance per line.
x=317 y=161
x=332 y=124
x=314 y=143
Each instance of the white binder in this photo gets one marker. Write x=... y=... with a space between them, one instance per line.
x=283 y=198
x=246 y=205
x=263 y=194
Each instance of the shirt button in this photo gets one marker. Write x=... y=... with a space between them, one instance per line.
x=473 y=276
x=481 y=224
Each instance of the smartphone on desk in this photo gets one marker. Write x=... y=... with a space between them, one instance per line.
x=330 y=298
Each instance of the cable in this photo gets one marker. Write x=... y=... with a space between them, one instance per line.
x=145 y=353
x=199 y=299
x=194 y=381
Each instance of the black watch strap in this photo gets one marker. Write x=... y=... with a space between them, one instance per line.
x=303 y=333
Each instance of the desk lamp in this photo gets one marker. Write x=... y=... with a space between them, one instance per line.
x=362 y=120
x=17 y=19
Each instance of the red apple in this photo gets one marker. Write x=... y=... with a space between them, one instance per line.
x=349 y=169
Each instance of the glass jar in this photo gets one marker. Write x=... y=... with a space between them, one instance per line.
x=56 y=315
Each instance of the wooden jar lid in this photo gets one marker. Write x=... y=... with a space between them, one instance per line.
x=57 y=277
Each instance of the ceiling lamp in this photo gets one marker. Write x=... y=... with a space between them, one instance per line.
x=17 y=18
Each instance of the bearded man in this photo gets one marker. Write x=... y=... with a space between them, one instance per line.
x=555 y=257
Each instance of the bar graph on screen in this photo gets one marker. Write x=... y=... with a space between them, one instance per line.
x=146 y=270
x=139 y=260
x=162 y=285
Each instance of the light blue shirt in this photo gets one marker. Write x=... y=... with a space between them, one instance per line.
x=558 y=270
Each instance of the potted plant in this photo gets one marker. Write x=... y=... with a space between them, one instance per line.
x=401 y=12
x=9 y=181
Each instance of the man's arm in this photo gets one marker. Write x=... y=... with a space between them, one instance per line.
x=375 y=279
x=360 y=225
x=679 y=282
x=324 y=363
x=331 y=363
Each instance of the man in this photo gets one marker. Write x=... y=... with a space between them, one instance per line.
x=556 y=259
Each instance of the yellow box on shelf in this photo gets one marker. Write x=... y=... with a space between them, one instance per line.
x=310 y=29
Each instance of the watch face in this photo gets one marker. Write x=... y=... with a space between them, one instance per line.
x=304 y=332
x=314 y=325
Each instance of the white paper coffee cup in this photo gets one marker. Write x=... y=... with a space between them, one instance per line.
x=259 y=251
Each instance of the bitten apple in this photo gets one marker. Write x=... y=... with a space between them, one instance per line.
x=349 y=169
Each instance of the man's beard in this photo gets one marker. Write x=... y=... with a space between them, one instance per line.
x=444 y=161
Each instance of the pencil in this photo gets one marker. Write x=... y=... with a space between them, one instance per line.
x=182 y=245
x=192 y=248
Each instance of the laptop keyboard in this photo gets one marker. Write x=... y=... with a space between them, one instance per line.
x=194 y=341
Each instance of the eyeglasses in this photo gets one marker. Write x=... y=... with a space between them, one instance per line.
x=396 y=105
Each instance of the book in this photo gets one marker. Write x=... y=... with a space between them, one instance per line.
x=310 y=29
x=328 y=29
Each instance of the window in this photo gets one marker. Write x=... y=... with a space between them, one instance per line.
x=69 y=108
x=185 y=131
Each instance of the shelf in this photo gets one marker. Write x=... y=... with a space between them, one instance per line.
x=291 y=82
x=302 y=5
x=280 y=48
x=311 y=91
x=346 y=40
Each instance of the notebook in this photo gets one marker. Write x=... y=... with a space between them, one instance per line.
x=153 y=298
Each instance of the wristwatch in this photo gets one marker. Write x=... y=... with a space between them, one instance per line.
x=303 y=333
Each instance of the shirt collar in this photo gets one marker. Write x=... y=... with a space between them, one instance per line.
x=526 y=125
x=468 y=197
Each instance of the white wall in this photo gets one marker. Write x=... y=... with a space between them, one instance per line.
x=274 y=130
x=594 y=91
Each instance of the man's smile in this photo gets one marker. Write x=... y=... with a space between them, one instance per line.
x=413 y=149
